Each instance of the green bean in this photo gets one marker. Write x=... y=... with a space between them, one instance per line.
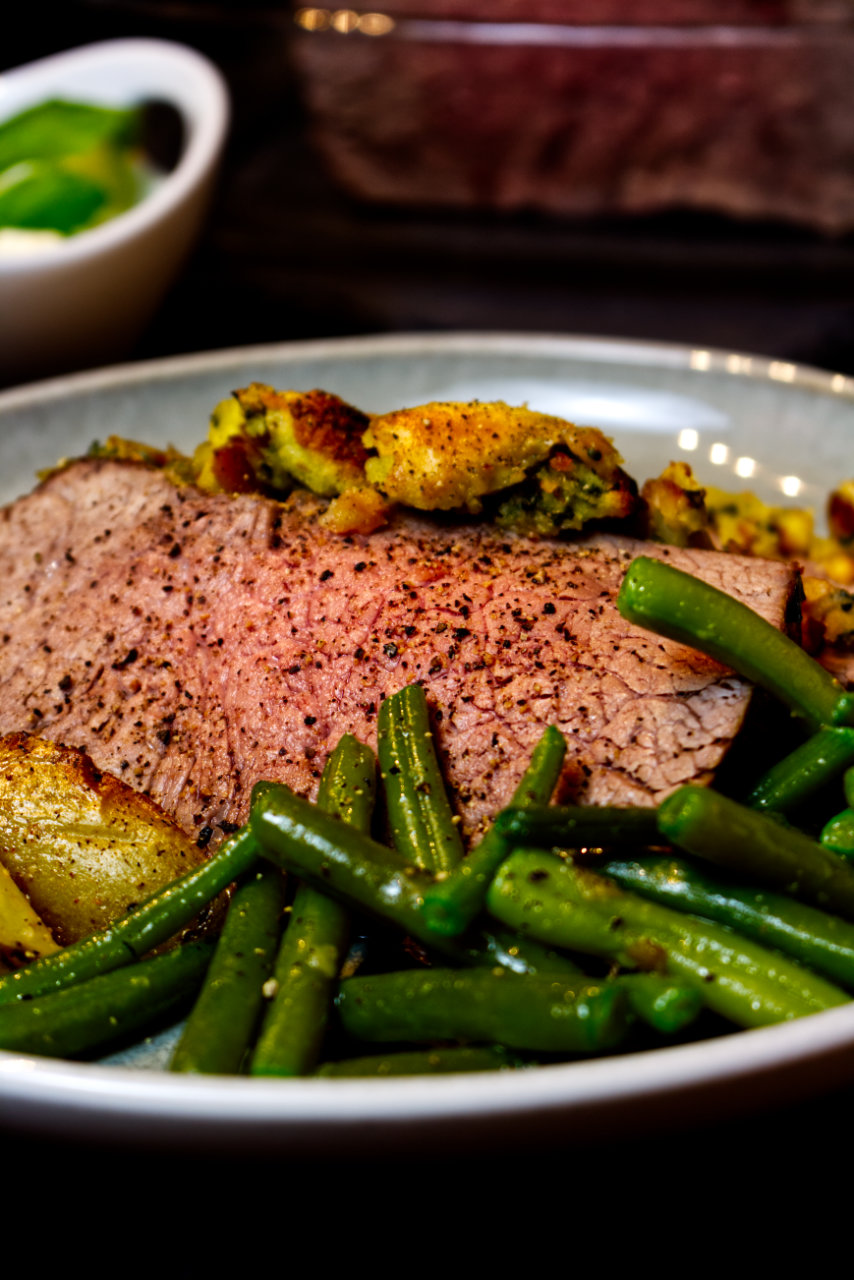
x=821 y=942
x=719 y=830
x=113 y=1006
x=663 y=599
x=837 y=833
x=539 y=1013
x=315 y=941
x=666 y=1004
x=341 y=861
x=578 y=826
x=803 y=772
x=848 y=786
x=307 y=967
x=452 y=904
x=365 y=875
x=506 y=948
x=221 y=1026
x=153 y=922
x=348 y=784
x=422 y=1062
x=423 y=825
x=568 y=906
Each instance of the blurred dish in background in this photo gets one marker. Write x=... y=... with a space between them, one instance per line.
x=664 y=104
x=66 y=167
x=85 y=301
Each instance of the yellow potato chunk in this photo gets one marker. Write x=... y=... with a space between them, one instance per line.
x=23 y=936
x=83 y=846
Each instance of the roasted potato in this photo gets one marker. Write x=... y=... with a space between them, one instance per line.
x=83 y=846
x=23 y=936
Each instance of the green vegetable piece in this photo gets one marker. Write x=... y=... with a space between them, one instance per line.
x=677 y=605
x=307 y=967
x=812 y=765
x=348 y=865
x=153 y=922
x=564 y=905
x=547 y=1013
x=67 y=166
x=60 y=128
x=113 y=1006
x=665 y=1004
x=578 y=826
x=838 y=833
x=822 y=942
x=221 y=1026
x=668 y=1005
x=423 y=825
x=421 y=1062
x=339 y=860
x=504 y=947
x=315 y=942
x=49 y=198
x=348 y=785
x=848 y=786
x=719 y=830
x=451 y=905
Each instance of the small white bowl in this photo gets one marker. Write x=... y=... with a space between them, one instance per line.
x=84 y=302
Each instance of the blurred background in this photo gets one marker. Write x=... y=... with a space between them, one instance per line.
x=681 y=170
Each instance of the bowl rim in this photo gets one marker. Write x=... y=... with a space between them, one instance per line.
x=198 y=93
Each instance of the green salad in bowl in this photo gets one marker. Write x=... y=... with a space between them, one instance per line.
x=67 y=166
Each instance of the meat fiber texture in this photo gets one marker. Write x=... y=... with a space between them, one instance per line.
x=194 y=644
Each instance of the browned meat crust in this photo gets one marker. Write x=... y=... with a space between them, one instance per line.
x=193 y=644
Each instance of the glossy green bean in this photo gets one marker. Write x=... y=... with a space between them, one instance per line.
x=671 y=603
x=367 y=876
x=341 y=861
x=821 y=942
x=665 y=1003
x=424 y=827
x=314 y=945
x=568 y=906
x=837 y=834
x=79 y=1020
x=221 y=1025
x=504 y=947
x=153 y=922
x=719 y=830
x=788 y=784
x=307 y=967
x=546 y=1014
x=578 y=827
x=348 y=784
x=451 y=904
x=422 y=1062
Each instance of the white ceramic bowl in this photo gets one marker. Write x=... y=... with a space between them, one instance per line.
x=659 y=402
x=85 y=301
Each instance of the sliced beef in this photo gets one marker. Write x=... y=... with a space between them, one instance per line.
x=193 y=644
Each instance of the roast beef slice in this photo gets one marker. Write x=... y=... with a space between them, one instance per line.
x=194 y=644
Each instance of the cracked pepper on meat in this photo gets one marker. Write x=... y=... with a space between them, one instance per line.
x=196 y=623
